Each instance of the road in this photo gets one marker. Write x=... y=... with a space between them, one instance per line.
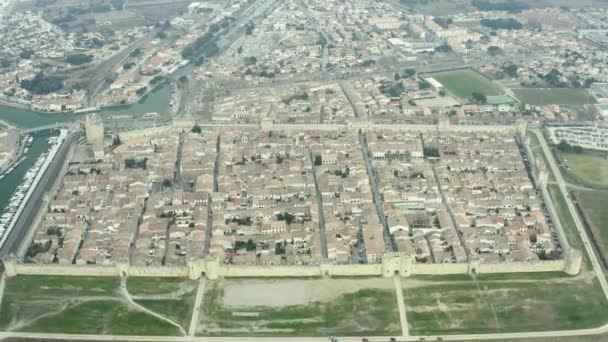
x=44 y=128
x=471 y=337
x=26 y=219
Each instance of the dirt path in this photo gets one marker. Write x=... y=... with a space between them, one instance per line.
x=2 y=285
x=405 y=330
x=17 y=325
x=197 y=306
x=125 y=293
x=483 y=297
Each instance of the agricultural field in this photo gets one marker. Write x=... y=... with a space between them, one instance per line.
x=587 y=168
x=593 y=204
x=463 y=83
x=558 y=96
x=494 y=306
x=302 y=307
x=71 y=304
x=587 y=172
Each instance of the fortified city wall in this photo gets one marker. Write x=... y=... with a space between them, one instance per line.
x=213 y=268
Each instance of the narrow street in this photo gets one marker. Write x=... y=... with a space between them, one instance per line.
x=320 y=202
x=216 y=170
x=446 y=203
x=177 y=175
x=378 y=202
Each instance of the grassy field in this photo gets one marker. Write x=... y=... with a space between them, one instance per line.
x=70 y=304
x=497 y=306
x=493 y=277
x=559 y=96
x=158 y=286
x=370 y=311
x=567 y=221
x=171 y=297
x=588 y=168
x=463 y=83
x=102 y=317
x=594 y=204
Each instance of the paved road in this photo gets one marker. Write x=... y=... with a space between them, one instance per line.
x=26 y=219
x=471 y=337
x=44 y=128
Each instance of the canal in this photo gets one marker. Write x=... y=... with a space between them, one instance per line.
x=10 y=182
x=157 y=101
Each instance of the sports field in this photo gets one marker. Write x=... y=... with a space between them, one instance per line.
x=558 y=96
x=463 y=83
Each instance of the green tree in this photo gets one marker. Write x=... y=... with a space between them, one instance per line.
x=136 y=52
x=187 y=52
x=494 y=50
x=42 y=84
x=444 y=48
x=26 y=54
x=318 y=160
x=78 y=59
x=479 y=97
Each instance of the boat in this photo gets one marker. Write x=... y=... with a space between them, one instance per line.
x=150 y=115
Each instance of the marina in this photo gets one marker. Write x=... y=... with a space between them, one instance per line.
x=18 y=181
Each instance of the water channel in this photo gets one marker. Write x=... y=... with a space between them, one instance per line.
x=11 y=181
x=157 y=101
